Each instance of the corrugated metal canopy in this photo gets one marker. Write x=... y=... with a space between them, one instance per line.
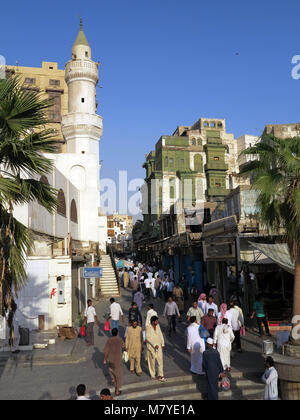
x=279 y=253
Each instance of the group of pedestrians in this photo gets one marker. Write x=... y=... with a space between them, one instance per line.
x=212 y=329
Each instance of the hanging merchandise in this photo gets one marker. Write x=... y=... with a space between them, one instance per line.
x=2 y=328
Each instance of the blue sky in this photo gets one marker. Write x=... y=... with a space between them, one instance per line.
x=168 y=62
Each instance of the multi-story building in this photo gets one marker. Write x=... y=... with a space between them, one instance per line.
x=195 y=167
x=50 y=82
x=118 y=224
x=119 y=232
x=188 y=177
x=229 y=243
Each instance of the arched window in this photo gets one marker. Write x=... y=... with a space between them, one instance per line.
x=172 y=188
x=61 y=206
x=198 y=163
x=73 y=212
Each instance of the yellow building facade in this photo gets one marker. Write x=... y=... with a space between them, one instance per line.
x=49 y=81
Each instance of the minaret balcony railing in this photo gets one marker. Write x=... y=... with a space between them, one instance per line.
x=77 y=69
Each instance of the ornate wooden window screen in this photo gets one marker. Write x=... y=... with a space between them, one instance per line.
x=61 y=206
x=73 y=212
x=55 y=109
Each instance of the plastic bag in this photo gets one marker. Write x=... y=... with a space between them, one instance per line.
x=243 y=331
x=125 y=357
x=107 y=325
x=203 y=332
x=225 y=385
x=82 y=331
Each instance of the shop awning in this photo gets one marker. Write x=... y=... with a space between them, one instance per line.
x=279 y=253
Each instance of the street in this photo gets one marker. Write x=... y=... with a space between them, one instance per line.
x=57 y=379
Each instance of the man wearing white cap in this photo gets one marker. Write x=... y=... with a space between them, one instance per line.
x=213 y=368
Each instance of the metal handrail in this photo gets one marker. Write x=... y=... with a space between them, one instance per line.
x=113 y=262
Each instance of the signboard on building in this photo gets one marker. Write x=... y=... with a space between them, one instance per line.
x=90 y=272
x=219 y=251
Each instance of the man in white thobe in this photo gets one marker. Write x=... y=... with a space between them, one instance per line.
x=195 y=346
x=270 y=379
x=223 y=339
x=151 y=312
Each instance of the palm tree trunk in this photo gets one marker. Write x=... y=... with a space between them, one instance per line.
x=296 y=304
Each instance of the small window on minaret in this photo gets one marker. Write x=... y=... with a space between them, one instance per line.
x=82 y=100
x=86 y=54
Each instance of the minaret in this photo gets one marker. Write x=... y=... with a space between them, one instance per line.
x=82 y=127
x=82 y=130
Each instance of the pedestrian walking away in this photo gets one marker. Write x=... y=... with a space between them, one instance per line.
x=195 y=346
x=134 y=285
x=115 y=313
x=213 y=369
x=113 y=356
x=125 y=279
x=260 y=314
x=90 y=317
x=223 y=338
x=237 y=322
x=224 y=313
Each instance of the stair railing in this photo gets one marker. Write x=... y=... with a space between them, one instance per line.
x=113 y=262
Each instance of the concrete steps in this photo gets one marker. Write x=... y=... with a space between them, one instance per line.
x=193 y=387
x=108 y=282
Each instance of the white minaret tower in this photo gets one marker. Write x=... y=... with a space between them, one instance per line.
x=82 y=130
x=82 y=127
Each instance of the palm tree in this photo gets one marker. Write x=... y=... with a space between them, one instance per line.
x=23 y=142
x=276 y=178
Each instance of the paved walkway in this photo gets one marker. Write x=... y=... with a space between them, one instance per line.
x=42 y=375
x=176 y=358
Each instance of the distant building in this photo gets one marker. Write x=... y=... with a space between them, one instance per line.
x=119 y=232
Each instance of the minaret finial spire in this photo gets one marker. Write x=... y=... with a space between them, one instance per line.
x=81 y=24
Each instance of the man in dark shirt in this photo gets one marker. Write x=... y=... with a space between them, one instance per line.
x=209 y=322
x=134 y=314
x=213 y=368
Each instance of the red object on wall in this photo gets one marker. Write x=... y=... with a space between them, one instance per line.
x=52 y=293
